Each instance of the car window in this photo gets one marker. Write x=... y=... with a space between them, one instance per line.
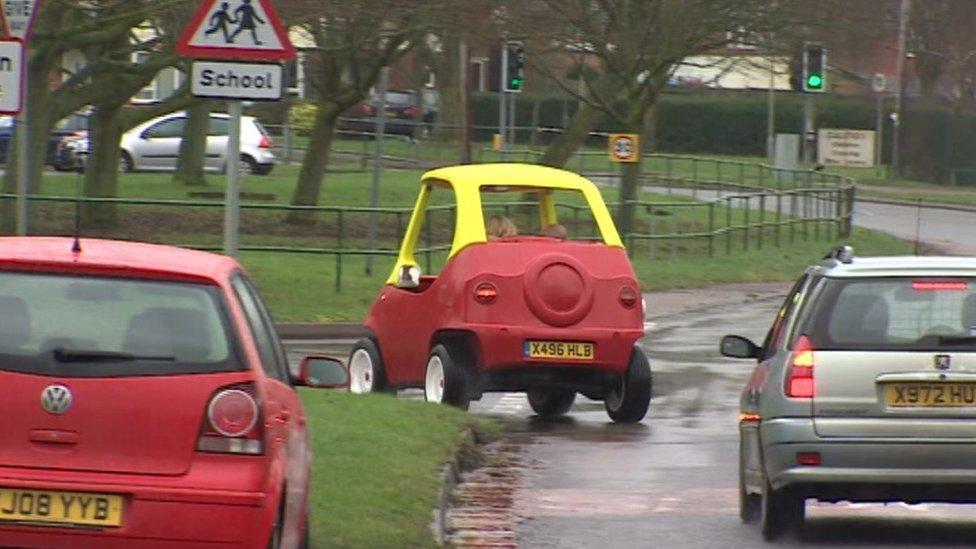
x=97 y=326
x=273 y=359
x=919 y=313
x=218 y=126
x=399 y=98
x=517 y=208
x=168 y=128
x=777 y=332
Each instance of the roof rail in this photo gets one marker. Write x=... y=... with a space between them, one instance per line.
x=842 y=254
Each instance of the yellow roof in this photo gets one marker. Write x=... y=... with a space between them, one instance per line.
x=512 y=175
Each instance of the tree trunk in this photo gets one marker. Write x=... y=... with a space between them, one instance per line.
x=193 y=146
x=102 y=170
x=629 y=185
x=448 y=82
x=563 y=147
x=313 y=165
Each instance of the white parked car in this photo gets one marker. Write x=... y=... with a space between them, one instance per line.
x=155 y=145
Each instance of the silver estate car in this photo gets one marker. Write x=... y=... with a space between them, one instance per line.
x=865 y=389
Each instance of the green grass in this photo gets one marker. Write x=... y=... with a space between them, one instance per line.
x=376 y=473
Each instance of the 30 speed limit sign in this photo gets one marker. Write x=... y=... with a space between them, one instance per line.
x=624 y=147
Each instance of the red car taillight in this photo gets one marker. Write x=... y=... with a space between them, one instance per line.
x=628 y=296
x=411 y=111
x=366 y=109
x=232 y=424
x=265 y=142
x=485 y=293
x=800 y=382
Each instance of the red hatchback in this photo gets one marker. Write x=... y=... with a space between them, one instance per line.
x=146 y=402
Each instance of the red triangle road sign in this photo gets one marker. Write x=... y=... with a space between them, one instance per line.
x=236 y=29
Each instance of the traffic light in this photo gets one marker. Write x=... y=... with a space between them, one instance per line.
x=814 y=68
x=514 y=74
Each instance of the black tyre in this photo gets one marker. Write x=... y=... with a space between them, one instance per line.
x=750 y=505
x=551 y=402
x=274 y=541
x=248 y=165
x=125 y=163
x=781 y=511
x=627 y=402
x=305 y=542
x=263 y=169
x=366 y=372
x=447 y=376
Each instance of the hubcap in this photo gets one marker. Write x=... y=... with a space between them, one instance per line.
x=615 y=398
x=434 y=386
x=245 y=167
x=360 y=372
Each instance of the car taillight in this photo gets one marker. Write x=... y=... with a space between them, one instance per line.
x=800 y=382
x=485 y=293
x=232 y=424
x=628 y=296
x=265 y=142
x=366 y=109
x=411 y=111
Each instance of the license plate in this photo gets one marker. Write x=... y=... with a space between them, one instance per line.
x=562 y=350
x=75 y=508
x=930 y=395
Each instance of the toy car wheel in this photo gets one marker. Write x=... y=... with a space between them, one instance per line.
x=781 y=510
x=627 y=402
x=551 y=402
x=366 y=373
x=446 y=379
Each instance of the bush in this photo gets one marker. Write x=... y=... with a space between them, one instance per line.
x=302 y=117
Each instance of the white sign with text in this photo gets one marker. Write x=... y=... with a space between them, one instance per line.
x=837 y=147
x=11 y=76
x=229 y=80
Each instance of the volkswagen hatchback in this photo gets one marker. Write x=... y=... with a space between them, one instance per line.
x=146 y=402
x=865 y=389
x=528 y=288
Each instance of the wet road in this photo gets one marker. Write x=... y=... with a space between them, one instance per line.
x=671 y=480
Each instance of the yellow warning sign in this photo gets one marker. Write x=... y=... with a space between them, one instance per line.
x=624 y=147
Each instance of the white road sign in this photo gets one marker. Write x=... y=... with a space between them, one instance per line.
x=11 y=76
x=19 y=17
x=836 y=147
x=232 y=80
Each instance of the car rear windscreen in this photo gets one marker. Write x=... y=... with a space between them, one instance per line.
x=85 y=326
x=910 y=313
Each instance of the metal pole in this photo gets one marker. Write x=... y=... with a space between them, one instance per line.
x=511 y=118
x=374 y=200
x=232 y=200
x=502 y=99
x=807 y=129
x=879 y=135
x=23 y=185
x=771 y=111
x=903 y=14
x=465 y=103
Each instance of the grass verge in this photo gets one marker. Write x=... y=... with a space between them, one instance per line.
x=376 y=475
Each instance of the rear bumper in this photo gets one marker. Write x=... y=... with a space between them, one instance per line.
x=502 y=347
x=868 y=469
x=166 y=513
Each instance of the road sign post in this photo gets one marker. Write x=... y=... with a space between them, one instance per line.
x=236 y=42
x=17 y=21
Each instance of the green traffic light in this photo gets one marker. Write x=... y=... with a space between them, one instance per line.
x=814 y=81
x=515 y=83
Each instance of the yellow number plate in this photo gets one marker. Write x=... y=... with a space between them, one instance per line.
x=60 y=507
x=562 y=350
x=930 y=395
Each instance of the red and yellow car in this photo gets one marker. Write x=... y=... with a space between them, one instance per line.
x=552 y=309
x=146 y=402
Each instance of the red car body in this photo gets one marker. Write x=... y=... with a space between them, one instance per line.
x=148 y=440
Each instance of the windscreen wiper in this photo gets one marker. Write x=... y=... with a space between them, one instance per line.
x=85 y=355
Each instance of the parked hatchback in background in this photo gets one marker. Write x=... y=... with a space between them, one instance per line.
x=865 y=389
x=402 y=107
x=146 y=402
x=155 y=146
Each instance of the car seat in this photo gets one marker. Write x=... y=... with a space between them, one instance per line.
x=15 y=323
x=168 y=331
x=860 y=319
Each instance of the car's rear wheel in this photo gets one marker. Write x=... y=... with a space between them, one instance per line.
x=446 y=378
x=551 y=402
x=366 y=373
x=125 y=163
x=248 y=165
x=750 y=505
x=628 y=400
x=780 y=512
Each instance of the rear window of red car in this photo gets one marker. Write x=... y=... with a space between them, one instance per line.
x=86 y=326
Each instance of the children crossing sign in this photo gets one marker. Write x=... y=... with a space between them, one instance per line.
x=236 y=29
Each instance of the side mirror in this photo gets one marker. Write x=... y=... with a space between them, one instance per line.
x=409 y=277
x=323 y=372
x=734 y=346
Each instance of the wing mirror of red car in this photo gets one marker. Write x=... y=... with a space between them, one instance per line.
x=323 y=372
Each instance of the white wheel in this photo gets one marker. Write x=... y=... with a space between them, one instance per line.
x=361 y=372
x=434 y=383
